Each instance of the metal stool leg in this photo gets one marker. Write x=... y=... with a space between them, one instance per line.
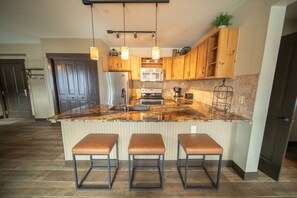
x=186 y=170
x=75 y=171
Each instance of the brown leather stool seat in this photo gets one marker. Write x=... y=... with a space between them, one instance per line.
x=142 y=144
x=99 y=145
x=198 y=145
x=95 y=144
x=146 y=144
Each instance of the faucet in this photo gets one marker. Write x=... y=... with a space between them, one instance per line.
x=124 y=95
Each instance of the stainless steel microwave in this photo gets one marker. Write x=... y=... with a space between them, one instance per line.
x=151 y=74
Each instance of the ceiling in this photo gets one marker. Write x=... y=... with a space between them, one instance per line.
x=180 y=23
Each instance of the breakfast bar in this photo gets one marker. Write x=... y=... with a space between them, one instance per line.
x=169 y=120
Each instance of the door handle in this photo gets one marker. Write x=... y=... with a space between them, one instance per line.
x=285 y=119
x=25 y=92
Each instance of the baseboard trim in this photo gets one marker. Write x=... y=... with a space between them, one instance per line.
x=244 y=175
x=292 y=144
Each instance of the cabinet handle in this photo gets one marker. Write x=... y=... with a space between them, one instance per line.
x=188 y=73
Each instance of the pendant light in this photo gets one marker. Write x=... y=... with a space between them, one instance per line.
x=94 y=52
x=124 y=48
x=156 y=49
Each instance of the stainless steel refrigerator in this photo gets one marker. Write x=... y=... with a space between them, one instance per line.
x=115 y=88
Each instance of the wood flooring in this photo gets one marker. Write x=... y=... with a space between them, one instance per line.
x=32 y=165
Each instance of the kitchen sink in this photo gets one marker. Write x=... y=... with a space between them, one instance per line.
x=139 y=108
x=130 y=108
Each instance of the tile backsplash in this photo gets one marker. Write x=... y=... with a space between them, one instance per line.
x=243 y=86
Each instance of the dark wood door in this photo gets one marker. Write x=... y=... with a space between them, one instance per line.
x=281 y=108
x=15 y=88
x=77 y=83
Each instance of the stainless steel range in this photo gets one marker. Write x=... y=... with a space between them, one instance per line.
x=151 y=96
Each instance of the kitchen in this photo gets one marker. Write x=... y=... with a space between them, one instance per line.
x=246 y=73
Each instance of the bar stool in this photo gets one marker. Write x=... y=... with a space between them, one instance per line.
x=96 y=145
x=198 y=145
x=148 y=145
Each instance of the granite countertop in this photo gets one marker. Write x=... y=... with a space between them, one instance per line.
x=180 y=110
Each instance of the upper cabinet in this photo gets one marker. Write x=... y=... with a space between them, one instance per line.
x=178 y=67
x=214 y=57
x=201 y=59
x=190 y=65
x=115 y=63
x=167 y=67
x=221 y=53
x=135 y=67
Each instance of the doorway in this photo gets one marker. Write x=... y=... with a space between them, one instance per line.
x=74 y=78
x=281 y=109
x=14 y=89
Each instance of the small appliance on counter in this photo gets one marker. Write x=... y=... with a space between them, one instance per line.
x=177 y=91
x=189 y=96
x=151 y=96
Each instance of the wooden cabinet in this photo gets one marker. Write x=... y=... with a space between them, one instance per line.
x=151 y=63
x=221 y=55
x=135 y=67
x=167 y=67
x=115 y=63
x=187 y=66
x=190 y=64
x=178 y=67
x=201 y=59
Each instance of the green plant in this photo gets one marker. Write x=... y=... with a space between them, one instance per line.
x=222 y=19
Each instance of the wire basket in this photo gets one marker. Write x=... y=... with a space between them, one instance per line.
x=222 y=98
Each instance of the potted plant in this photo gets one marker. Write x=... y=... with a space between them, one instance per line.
x=222 y=20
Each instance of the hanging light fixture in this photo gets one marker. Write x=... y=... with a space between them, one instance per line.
x=156 y=49
x=94 y=52
x=124 y=48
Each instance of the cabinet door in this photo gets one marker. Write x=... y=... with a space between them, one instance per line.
x=227 y=47
x=167 y=67
x=125 y=65
x=135 y=67
x=187 y=67
x=114 y=63
x=178 y=68
x=201 y=59
x=193 y=62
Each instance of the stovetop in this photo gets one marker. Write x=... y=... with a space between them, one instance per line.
x=151 y=94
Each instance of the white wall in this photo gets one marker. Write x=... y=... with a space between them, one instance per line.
x=31 y=53
x=252 y=18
